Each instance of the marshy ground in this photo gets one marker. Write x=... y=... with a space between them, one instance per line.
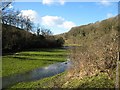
x=28 y=60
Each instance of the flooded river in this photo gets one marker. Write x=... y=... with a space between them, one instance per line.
x=35 y=74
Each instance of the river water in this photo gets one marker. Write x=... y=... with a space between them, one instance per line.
x=35 y=74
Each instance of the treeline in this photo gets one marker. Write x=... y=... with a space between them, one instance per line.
x=16 y=33
x=16 y=39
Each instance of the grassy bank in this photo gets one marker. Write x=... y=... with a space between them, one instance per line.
x=27 y=60
x=99 y=80
x=60 y=81
x=50 y=82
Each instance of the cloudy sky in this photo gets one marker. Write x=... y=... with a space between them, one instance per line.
x=60 y=16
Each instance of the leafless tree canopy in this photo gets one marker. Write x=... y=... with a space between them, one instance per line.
x=5 y=5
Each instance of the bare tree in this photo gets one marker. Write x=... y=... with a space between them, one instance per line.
x=4 y=17
x=5 y=5
x=28 y=24
x=15 y=18
x=9 y=17
x=21 y=20
x=45 y=32
x=38 y=29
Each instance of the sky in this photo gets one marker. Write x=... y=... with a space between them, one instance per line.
x=61 y=16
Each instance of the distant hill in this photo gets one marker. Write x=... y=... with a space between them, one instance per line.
x=86 y=33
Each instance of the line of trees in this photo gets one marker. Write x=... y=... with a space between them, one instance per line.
x=16 y=33
x=15 y=39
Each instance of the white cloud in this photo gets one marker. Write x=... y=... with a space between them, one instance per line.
x=110 y=15
x=105 y=2
x=52 y=20
x=62 y=2
x=55 y=21
x=31 y=14
x=68 y=24
x=49 y=2
x=10 y=6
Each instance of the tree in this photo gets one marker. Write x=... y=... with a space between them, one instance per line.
x=60 y=41
x=5 y=5
x=4 y=17
x=45 y=32
x=38 y=29
x=28 y=24
x=22 y=21
x=10 y=17
x=17 y=19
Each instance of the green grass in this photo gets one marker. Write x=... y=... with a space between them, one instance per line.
x=99 y=81
x=59 y=81
x=50 y=82
x=28 y=60
x=0 y=66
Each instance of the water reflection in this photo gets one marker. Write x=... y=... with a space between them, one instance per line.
x=35 y=74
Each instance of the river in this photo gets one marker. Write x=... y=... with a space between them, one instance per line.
x=35 y=74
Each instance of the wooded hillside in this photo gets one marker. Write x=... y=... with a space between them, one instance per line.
x=96 y=51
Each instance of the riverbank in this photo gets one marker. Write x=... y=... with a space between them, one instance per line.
x=99 y=80
x=61 y=81
x=28 y=60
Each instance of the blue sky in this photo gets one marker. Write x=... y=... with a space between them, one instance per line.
x=59 y=17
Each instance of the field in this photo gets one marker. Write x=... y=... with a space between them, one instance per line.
x=28 y=60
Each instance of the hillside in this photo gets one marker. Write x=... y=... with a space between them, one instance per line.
x=95 y=54
x=86 y=33
x=93 y=60
x=17 y=39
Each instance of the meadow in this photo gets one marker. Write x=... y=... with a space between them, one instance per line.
x=24 y=61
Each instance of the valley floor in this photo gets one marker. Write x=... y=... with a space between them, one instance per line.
x=28 y=60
